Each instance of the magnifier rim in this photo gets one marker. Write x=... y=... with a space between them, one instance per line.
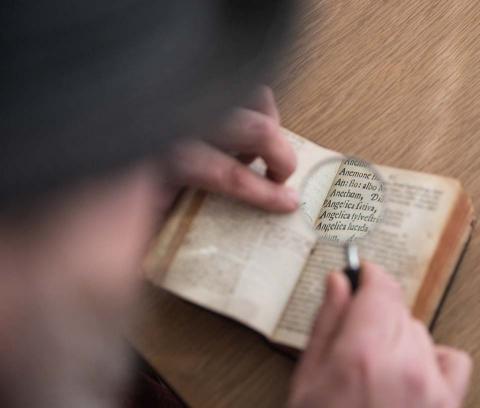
x=372 y=167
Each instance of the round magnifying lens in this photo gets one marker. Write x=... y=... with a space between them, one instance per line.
x=343 y=200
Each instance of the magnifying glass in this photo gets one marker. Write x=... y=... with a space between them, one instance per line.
x=343 y=200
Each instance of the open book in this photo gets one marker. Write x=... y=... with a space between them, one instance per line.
x=267 y=270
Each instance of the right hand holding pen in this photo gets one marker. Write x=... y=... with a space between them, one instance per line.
x=367 y=351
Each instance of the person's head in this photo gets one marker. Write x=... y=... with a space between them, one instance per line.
x=93 y=96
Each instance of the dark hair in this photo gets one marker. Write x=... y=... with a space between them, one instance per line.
x=91 y=85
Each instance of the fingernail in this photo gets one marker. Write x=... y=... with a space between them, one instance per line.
x=292 y=197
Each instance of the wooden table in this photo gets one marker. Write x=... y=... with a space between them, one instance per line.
x=396 y=82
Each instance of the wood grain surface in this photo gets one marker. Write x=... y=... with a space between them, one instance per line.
x=395 y=82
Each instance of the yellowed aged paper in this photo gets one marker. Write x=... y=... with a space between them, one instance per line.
x=244 y=262
x=416 y=212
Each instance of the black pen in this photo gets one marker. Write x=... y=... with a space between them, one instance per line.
x=353 y=268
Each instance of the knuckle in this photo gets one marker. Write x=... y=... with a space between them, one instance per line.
x=260 y=131
x=267 y=93
x=217 y=176
x=385 y=282
x=363 y=360
x=464 y=362
x=420 y=328
x=267 y=129
x=415 y=379
x=236 y=178
x=359 y=359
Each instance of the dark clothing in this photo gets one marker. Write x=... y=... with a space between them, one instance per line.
x=93 y=85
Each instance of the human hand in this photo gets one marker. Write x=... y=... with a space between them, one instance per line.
x=367 y=351
x=249 y=132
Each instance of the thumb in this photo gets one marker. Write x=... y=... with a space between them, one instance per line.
x=456 y=367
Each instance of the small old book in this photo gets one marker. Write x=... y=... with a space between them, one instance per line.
x=268 y=270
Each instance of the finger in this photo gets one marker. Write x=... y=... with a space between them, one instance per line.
x=456 y=367
x=202 y=166
x=263 y=100
x=374 y=276
x=377 y=310
x=330 y=316
x=255 y=134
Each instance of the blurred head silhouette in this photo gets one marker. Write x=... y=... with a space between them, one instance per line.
x=94 y=94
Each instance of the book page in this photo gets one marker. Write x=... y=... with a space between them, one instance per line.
x=354 y=203
x=416 y=211
x=244 y=262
